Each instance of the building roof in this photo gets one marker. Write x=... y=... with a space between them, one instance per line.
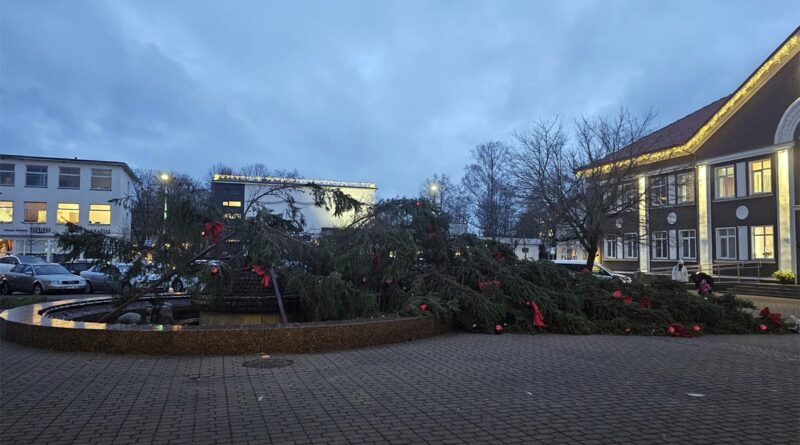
x=123 y=165
x=220 y=177
x=674 y=134
x=685 y=135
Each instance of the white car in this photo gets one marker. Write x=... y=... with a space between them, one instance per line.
x=598 y=269
x=9 y=261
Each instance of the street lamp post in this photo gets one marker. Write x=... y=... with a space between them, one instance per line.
x=165 y=179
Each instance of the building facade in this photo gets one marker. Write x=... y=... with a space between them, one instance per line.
x=40 y=195
x=719 y=188
x=233 y=194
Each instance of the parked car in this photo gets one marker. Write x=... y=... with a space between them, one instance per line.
x=598 y=269
x=40 y=278
x=111 y=278
x=9 y=261
x=78 y=266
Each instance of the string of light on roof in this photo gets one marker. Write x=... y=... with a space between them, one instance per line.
x=298 y=181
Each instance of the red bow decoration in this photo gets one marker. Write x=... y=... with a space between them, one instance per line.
x=213 y=229
x=772 y=316
x=627 y=300
x=498 y=329
x=617 y=294
x=214 y=270
x=265 y=278
x=423 y=307
x=763 y=327
x=538 y=318
x=646 y=302
x=696 y=328
x=678 y=330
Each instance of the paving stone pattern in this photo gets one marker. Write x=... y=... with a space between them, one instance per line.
x=459 y=388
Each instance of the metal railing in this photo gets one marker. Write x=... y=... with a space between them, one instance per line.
x=727 y=272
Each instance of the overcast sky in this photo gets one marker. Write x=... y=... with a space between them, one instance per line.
x=381 y=91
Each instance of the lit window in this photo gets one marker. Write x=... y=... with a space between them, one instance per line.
x=685 y=187
x=101 y=179
x=67 y=213
x=688 y=240
x=726 y=243
x=36 y=176
x=660 y=245
x=6 y=211
x=659 y=191
x=100 y=214
x=232 y=203
x=760 y=176
x=6 y=174
x=610 y=250
x=35 y=212
x=69 y=178
x=726 y=181
x=763 y=242
x=631 y=245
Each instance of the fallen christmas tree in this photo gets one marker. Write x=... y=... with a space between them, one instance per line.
x=398 y=258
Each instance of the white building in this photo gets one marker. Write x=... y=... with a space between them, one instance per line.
x=40 y=195
x=524 y=248
x=233 y=193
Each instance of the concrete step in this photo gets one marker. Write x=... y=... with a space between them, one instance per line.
x=767 y=290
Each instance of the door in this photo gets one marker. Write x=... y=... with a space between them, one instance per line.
x=25 y=279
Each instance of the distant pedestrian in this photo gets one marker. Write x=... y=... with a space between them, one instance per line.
x=679 y=273
x=703 y=283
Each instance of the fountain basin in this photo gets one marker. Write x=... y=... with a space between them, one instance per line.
x=45 y=325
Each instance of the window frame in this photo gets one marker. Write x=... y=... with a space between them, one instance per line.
x=682 y=238
x=613 y=240
x=94 y=174
x=751 y=177
x=25 y=212
x=718 y=242
x=655 y=243
x=689 y=197
x=663 y=186
x=717 y=177
x=753 y=237
x=12 y=173
x=61 y=175
x=29 y=174
x=11 y=213
x=77 y=209
x=625 y=244
x=91 y=223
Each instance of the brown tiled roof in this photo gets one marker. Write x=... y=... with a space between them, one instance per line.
x=676 y=133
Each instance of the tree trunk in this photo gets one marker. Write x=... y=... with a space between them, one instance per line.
x=590 y=259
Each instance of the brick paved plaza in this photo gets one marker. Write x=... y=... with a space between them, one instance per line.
x=460 y=388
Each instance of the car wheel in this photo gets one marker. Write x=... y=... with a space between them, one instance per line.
x=89 y=287
x=4 y=289
x=177 y=285
x=37 y=289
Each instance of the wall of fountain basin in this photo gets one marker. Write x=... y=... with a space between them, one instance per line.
x=71 y=325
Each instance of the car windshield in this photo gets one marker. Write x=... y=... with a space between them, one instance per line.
x=50 y=269
x=30 y=259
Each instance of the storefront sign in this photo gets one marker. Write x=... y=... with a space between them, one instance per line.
x=40 y=229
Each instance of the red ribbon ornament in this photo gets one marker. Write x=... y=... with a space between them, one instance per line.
x=423 y=307
x=627 y=300
x=213 y=229
x=265 y=278
x=538 y=318
x=617 y=294
x=771 y=316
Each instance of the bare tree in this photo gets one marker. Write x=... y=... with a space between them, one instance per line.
x=449 y=196
x=584 y=186
x=487 y=186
